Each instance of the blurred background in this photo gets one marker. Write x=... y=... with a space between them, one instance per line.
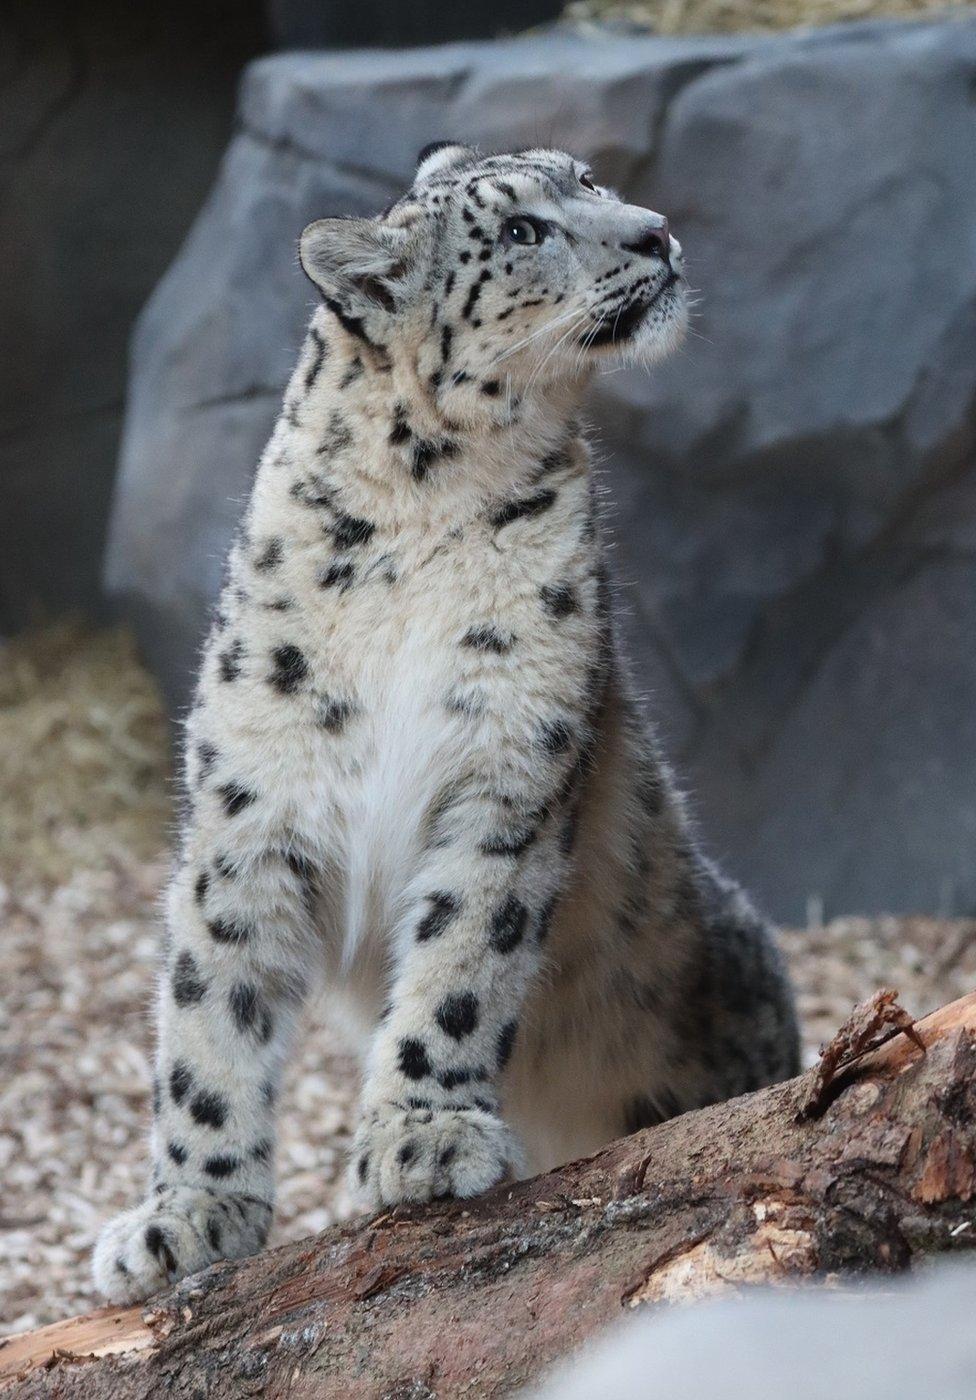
x=792 y=499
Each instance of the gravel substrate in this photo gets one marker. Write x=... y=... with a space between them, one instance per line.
x=77 y=955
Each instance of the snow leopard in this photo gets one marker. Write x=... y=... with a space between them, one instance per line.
x=419 y=782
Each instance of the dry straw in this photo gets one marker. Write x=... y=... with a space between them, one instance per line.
x=83 y=754
x=727 y=16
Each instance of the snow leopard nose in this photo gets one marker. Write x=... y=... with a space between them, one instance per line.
x=654 y=241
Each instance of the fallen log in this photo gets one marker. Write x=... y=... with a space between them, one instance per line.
x=869 y=1164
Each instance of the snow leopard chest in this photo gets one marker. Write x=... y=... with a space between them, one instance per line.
x=405 y=665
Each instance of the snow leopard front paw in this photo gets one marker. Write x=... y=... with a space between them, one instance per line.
x=411 y=1155
x=176 y=1233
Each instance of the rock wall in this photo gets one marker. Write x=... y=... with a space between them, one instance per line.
x=314 y=24
x=795 y=493
x=113 y=119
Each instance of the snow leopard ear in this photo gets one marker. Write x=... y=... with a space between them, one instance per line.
x=357 y=259
x=441 y=156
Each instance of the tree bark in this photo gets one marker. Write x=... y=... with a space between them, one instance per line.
x=869 y=1165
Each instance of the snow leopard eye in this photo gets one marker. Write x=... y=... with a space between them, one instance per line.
x=523 y=230
x=586 y=180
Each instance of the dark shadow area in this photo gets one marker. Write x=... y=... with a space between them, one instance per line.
x=113 y=119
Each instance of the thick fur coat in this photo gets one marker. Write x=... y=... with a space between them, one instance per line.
x=416 y=775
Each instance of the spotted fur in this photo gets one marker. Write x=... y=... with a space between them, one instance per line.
x=414 y=767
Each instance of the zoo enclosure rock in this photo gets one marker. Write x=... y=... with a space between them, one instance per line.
x=796 y=491
x=750 y=1346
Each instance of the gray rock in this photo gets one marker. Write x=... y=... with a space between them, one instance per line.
x=796 y=491
x=909 y=1340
